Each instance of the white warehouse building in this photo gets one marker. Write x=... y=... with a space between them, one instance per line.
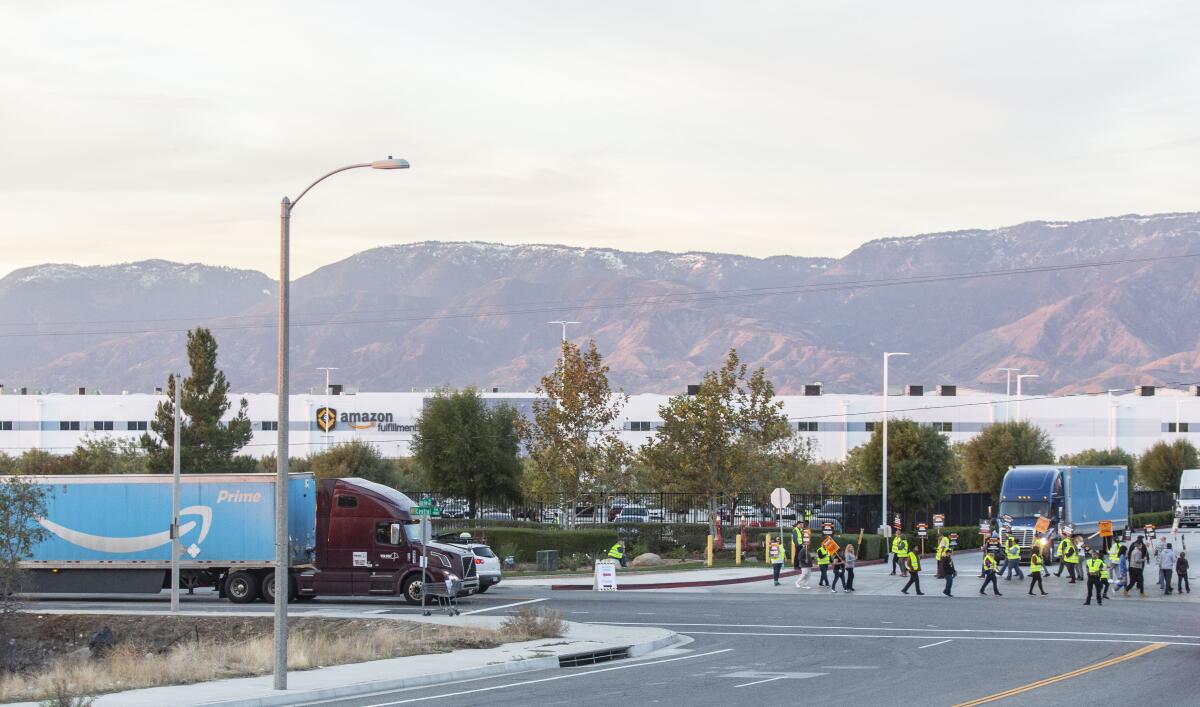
x=835 y=423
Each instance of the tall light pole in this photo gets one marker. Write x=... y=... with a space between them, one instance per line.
x=1020 y=378
x=176 y=469
x=564 y=336
x=884 y=529
x=327 y=369
x=281 y=451
x=1008 y=391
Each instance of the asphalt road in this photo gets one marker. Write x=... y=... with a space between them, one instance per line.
x=776 y=645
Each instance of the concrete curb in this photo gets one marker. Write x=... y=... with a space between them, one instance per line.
x=365 y=688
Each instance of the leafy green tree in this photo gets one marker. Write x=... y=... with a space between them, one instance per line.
x=1102 y=457
x=209 y=443
x=465 y=448
x=354 y=458
x=920 y=464
x=572 y=440
x=39 y=462
x=988 y=456
x=729 y=437
x=108 y=455
x=21 y=504
x=1161 y=465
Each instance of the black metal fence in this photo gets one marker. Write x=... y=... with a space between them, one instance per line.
x=849 y=512
x=1153 y=501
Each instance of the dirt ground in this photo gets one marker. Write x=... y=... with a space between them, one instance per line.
x=31 y=641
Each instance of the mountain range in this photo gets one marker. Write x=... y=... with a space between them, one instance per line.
x=1089 y=305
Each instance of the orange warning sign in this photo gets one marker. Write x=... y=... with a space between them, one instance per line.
x=1106 y=528
x=1043 y=524
x=830 y=545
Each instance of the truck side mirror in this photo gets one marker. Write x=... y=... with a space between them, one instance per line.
x=394 y=534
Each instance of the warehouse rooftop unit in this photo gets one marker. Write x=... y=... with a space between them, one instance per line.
x=836 y=423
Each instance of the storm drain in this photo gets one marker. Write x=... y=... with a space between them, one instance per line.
x=574 y=661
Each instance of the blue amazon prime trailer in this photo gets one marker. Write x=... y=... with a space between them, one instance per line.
x=111 y=533
x=1075 y=497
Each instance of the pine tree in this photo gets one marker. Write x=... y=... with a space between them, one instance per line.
x=208 y=443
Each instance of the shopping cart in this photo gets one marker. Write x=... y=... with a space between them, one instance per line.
x=446 y=593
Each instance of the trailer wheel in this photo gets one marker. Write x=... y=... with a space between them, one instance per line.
x=241 y=587
x=268 y=588
x=411 y=590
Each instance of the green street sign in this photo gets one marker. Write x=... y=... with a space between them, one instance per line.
x=431 y=511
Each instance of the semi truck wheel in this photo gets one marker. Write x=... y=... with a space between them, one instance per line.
x=411 y=590
x=241 y=587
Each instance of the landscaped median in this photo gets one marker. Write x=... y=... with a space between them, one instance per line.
x=156 y=650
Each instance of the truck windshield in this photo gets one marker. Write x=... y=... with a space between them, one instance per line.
x=412 y=531
x=1189 y=494
x=1024 y=509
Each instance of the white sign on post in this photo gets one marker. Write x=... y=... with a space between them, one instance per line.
x=780 y=498
x=605 y=578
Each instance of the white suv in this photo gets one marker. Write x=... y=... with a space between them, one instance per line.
x=487 y=565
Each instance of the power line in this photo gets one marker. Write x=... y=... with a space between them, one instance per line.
x=467 y=312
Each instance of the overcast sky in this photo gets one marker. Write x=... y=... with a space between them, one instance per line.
x=171 y=130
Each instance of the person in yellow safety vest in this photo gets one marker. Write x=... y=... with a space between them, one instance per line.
x=914 y=573
x=823 y=565
x=1012 y=558
x=1104 y=577
x=797 y=543
x=1069 y=558
x=1035 y=573
x=1114 y=561
x=617 y=552
x=943 y=546
x=1094 y=566
x=989 y=574
x=899 y=554
x=775 y=554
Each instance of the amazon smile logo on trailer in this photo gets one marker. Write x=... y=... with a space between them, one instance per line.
x=140 y=543
x=1107 y=504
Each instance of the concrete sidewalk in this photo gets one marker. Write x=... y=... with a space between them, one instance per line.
x=398 y=673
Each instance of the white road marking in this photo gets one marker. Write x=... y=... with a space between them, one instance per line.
x=956 y=638
x=931 y=645
x=928 y=630
x=556 y=677
x=759 y=682
x=502 y=606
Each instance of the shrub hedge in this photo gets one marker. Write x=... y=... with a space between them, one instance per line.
x=527 y=541
x=1161 y=519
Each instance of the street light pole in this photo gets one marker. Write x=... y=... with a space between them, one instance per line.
x=327 y=369
x=1008 y=391
x=884 y=528
x=1020 y=378
x=564 y=336
x=175 y=481
x=282 y=544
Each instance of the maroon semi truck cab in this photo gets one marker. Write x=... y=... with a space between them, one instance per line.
x=369 y=543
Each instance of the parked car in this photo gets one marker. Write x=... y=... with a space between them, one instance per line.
x=633 y=514
x=832 y=509
x=493 y=514
x=816 y=524
x=656 y=514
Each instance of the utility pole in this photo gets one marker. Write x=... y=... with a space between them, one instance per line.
x=885 y=526
x=175 y=468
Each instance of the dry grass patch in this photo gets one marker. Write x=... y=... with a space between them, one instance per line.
x=244 y=651
x=533 y=623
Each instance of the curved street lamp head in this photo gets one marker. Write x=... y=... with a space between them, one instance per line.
x=390 y=163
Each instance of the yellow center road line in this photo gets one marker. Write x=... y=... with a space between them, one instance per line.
x=1065 y=676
